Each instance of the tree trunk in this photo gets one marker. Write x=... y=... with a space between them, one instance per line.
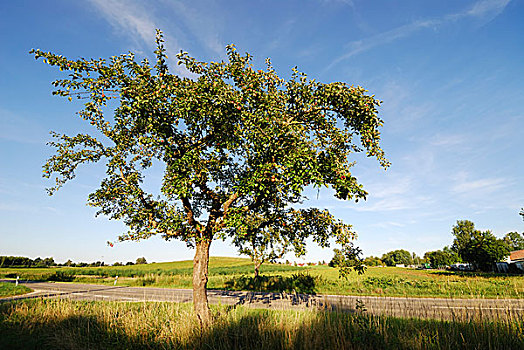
x=257 y=269
x=200 y=269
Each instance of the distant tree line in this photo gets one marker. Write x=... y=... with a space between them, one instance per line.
x=480 y=249
x=22 y=261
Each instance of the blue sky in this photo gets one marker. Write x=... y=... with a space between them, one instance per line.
x=450 y=74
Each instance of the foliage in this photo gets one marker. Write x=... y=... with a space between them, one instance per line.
x=514 y=240
x=269 y=235
x=439 y=258
x=372 y=261
x=62 y=276
x=230 y=140
x=399 y=256
x=21 y=261
x=140 y=261
x=479 y=248
x=416 y=260
x=346 y=259
x=455 y=258
x=296 y=283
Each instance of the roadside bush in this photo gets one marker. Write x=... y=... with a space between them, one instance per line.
x=60 y=276
x=299 y=282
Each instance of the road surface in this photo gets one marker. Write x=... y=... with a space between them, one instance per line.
x=437 y=308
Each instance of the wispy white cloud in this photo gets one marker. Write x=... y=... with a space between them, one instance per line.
x=387 y=204
x=400 y=112
x=358 y=46
x=349 y=3
x=388 y=224
x=444 y=140
x=183 y=26
x=485 y=10
x=396 y=187
x=128 y=18
x=482 y=185
x=479 y=187
x=203 y=24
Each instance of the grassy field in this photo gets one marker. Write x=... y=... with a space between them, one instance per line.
x=9 y=289
x=236 y=273
x=63 y=324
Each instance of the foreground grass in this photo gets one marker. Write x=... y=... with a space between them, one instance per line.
x=63 y=324
x=234 y=273
x=9 y=289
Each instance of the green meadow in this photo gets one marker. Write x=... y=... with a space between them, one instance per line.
x=237 y=274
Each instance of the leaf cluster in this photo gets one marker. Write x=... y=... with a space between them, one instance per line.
x=230 y=140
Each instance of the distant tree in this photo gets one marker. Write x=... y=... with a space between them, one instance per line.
x=337 y=259
x=416 y=260
x=49 y=262
x=463 y=232
x=129 y=263
x=479 y=248
x=68 y=263
x=346 y=260
x=399 y=256
x=514 y=240
x=438 y=258
x=19 y=261
x=118 y=264
x=140 y=261
x=453 y=255
x=38 y=262
x=372 y=261
x=276 y=231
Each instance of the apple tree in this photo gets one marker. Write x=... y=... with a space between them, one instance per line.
x=228 y=138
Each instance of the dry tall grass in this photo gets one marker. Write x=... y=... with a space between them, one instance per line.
x=65 y=324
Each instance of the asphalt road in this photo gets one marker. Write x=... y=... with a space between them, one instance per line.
x=437 y=308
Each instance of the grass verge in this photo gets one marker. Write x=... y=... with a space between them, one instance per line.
x=10 y=289
x=64 y=324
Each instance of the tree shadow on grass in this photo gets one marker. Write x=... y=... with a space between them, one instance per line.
x=257 y=329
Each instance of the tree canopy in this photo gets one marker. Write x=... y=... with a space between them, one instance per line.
x=514 y=240
x=479 y=248
x=269 y=235
x=439 y=258
x=229 y=138
x=399 y=256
